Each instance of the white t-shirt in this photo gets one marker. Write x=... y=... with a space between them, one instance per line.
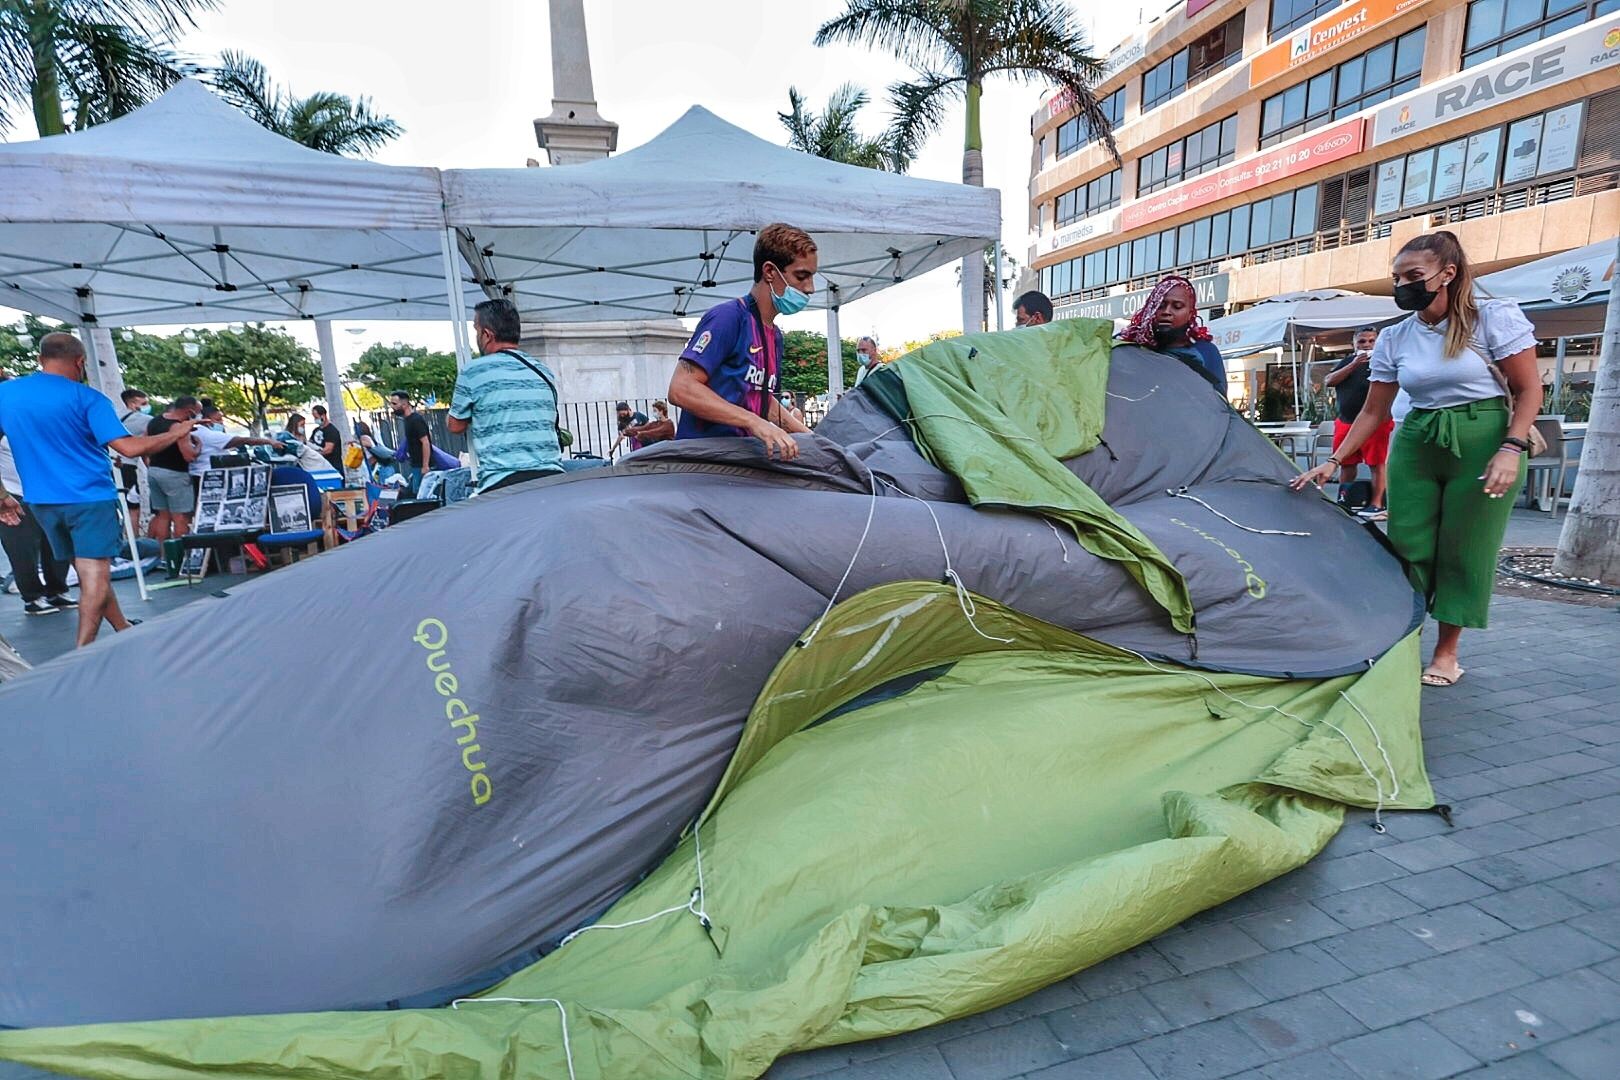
x=8 y=470
x=210 y=442
x=1412 y=353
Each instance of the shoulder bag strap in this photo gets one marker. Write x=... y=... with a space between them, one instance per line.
x=556 y=405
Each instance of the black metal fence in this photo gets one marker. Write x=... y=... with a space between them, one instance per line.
x=594 y=425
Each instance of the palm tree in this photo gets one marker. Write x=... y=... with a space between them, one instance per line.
x=833 y=134
x=953 y=46
x=1589 y=545
x=91 y=60
x=333 y=123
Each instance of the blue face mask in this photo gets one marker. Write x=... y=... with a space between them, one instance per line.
x=145 y=410
x=791 y=302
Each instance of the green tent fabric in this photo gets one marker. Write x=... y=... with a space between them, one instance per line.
x=1001 y=411
x=920 y=823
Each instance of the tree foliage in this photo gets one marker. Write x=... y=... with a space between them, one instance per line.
x=424 y=374
x=833 y=134
x=954 y=45
x=78 y=63
x=325 y=121
x=804 y=362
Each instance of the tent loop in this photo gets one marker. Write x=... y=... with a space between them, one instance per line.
x=694 y=903
x=568 y=1051
x=1183 y=493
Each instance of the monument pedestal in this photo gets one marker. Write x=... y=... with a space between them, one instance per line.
x=608 y=361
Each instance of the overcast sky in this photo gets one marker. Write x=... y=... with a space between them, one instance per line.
x=468 y=80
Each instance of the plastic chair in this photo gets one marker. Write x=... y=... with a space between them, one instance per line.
x=1322 y=445
x=1554 y=463
x=302 y=540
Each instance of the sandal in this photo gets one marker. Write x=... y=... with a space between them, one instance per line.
x=1435 y=678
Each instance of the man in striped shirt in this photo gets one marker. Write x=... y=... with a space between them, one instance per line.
x=508 y=400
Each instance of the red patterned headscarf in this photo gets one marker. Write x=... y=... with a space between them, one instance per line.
x=1140 y=330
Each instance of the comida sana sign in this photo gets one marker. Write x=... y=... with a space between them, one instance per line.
x=1581 y=51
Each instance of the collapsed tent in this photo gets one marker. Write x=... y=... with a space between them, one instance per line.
x=552 y=710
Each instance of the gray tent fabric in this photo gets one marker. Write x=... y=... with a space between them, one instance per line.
x=503 y=737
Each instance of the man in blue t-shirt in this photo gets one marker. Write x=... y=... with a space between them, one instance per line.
x=507 y=400
x=59 y=430
x=726 y=379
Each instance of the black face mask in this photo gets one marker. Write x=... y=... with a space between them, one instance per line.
x=1414 y=295
x=1167 y=335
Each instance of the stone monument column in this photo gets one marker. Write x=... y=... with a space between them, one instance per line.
x=594 y=361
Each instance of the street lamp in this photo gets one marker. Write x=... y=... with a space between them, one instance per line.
x=191 y=349
x=128 y=335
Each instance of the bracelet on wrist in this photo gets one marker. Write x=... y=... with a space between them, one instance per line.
x=1522 y=444
x=1509 y=448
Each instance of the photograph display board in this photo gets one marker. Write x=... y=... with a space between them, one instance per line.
x=233 y=499
x=289 y=508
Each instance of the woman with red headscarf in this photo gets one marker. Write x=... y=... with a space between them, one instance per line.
x=1168 y=322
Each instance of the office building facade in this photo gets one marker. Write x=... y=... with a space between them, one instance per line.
x=1269 y=146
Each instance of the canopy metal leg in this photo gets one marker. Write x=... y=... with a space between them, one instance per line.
x=835 y=355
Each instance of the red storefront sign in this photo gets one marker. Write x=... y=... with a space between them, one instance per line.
x=1195 y=6
x=1278 y=163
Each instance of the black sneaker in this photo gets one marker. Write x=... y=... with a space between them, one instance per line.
x=39 y=607
x=63 y=602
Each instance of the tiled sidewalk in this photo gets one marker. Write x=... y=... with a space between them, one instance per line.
x=1491 y=949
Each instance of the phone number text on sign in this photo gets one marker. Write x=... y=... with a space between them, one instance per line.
x=1291 y=159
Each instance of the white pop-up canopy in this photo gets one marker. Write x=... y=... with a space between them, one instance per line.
x=1562 y=294
x=665 y=229
x=1285 y=319
x=186 y=211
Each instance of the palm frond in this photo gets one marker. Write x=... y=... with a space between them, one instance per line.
x=327 y=121
x=107 y=70
x=154 y=19
x=800 y=124
x=244 y=82
x=919 y=32
x=919 y=109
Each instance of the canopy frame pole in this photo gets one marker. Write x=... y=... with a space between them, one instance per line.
x=1558 y=369
x=1293 y=365
x=999 y=304
x=129 y=535
x=458 y=311
x=835 y=350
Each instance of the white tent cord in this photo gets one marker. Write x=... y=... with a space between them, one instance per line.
x=1183 y=493
x=1122 y=397
x=963 y=598
x=871 y=509
x=1378 y=786
x=1053 y=526
x=568 y=1051
x=694 y=903
x=1378 y=741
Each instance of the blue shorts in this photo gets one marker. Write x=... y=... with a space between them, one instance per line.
x=81 y=530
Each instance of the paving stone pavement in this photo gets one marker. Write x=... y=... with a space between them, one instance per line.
x=1488 y=950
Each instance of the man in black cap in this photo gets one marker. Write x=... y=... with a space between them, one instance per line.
x=628 y=418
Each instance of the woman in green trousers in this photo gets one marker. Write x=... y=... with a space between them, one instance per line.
x=1459 y=457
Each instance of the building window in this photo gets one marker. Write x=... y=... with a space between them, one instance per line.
x=1289 y=15
x=1092 y=197
x=1075 y=132
x=1220 y=48
x=1197 y=153
x=1359 y=83
x=1538 y=145
x=1497 y=27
